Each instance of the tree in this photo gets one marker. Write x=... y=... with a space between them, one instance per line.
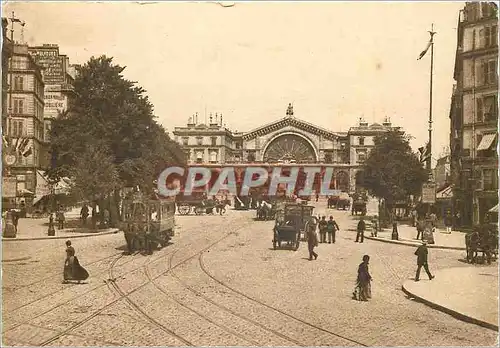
x=392 y=170
x=114 y=113
x=94 y=174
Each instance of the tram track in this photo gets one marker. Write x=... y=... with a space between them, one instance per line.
x=189 y=308
x=66 y=287
x=123 y=295
x=52 y=277
x=252 y=299
x=228 y=310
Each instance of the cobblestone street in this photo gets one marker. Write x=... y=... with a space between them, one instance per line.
x=220 y=283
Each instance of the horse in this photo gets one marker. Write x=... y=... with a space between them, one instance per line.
x=264 y=210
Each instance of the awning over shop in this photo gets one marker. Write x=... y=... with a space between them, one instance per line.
x=494 y=209
x=446 y=193
x=486 y=141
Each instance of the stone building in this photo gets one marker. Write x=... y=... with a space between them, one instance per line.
x=24 y=124
x=287 y=140
x=59 y=78
x=474 y=113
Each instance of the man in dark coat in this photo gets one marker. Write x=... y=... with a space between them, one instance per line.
x=422 y=253
x=312 y=242
x=331 y=228
x=360 y=236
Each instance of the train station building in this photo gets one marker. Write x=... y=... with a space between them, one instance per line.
x=289 y=140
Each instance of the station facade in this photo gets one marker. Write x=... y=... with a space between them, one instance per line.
x=289 y=140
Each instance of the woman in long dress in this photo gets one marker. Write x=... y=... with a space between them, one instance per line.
x=363 y=288
x=72 y=268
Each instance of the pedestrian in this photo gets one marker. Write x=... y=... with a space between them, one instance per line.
x=375 y=226
x=448 y=222
x=422 y=253
x=360 y=235
x=413 y=217
x=323 y=224
x=84 y=214
x=72 y=268
x=420 y=229
x=312 y=242
x=60 y=218
x=95 y=214
x=317 y=197
x=331 y=228
x=363 y=291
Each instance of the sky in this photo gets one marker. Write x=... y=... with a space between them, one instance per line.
x=335 y=61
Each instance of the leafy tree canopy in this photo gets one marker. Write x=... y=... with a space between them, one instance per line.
x=114 y=113
x=392 y=171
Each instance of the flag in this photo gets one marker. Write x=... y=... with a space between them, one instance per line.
x=425 y=153
x=15 y=20
x=28 y=152
x=22 y=144
x=423 y=53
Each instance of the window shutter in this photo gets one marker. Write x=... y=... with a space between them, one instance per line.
x=481 y=39
x=479 y=110
x=480 y=70
x=494 y=37
x=487 y=37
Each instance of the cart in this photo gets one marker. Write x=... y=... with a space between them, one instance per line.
x=291 y=223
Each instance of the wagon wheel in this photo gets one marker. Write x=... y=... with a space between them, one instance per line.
x=297 y=243
x=184 y=208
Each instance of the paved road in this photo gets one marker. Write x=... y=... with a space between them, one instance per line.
x=220 y=283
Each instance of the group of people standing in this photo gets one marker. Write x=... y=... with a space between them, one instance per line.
x=96 y=215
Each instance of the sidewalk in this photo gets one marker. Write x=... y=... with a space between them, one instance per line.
x=36 y=229
x=407 y=234
x=468 y=293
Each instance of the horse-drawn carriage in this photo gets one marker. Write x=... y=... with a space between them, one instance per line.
x=291 y=223
x=198 y=203
x=341 y=201
x=484 y=239
x=147 y=222
x=359 y=204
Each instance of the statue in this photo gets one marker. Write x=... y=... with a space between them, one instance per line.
x=289 y=111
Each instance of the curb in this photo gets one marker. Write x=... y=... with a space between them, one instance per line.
x=116 y=230
x=414 y=244
x=453 y=313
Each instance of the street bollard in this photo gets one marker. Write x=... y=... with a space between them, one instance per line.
x=395 y=234
x=52 y=230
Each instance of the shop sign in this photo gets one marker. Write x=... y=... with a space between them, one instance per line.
x=9 y=187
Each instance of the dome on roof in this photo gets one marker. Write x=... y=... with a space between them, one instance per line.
x=376 y=125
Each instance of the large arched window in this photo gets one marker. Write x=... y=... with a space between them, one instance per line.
x=290 y=148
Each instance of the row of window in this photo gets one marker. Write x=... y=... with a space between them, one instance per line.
x=17 y=128
x=480 y=72
x=213 y=142
x=485 y=37
x=479 y=10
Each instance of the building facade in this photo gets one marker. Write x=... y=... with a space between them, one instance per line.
x=23 y=126
x=59 y=78
x=474 y=113
x=287 y=140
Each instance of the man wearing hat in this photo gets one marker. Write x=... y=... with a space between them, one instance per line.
x=422 y=252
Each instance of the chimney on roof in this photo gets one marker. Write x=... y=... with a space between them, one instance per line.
x=213 y=122
x=362 y=122
x=387 y=122
x=191 y=121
